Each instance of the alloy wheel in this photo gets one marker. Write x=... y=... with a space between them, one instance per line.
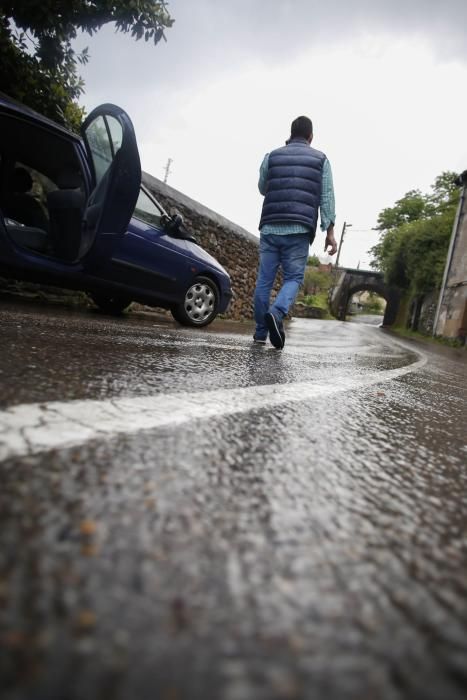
x=200 y=302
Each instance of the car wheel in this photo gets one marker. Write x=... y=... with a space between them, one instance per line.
x=110 y=304
x=200 y=304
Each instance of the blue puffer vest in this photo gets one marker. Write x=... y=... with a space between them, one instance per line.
x=293 y=188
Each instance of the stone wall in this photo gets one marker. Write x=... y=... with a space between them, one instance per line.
x=452 y=319
x=235 y=248
x=423 y=313
x=304 y=311
x=427 y=314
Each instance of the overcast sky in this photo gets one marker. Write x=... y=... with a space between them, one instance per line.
x=385 y=83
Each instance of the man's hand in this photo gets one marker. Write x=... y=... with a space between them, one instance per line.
x=330 y=241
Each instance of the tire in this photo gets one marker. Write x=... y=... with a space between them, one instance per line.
x=200 y=304
x=114 y=305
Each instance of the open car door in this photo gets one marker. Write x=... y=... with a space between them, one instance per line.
x=114 y=160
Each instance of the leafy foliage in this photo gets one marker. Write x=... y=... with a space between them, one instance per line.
x=314 y=261
x=316 y=281
x=319 y=301
x=415 y=236
x=411 y=207
x=372 y=303
x=38 y=65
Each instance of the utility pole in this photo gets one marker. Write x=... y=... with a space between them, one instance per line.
x=167 y=170
x=345 y=226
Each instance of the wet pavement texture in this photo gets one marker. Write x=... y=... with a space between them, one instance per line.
x=310 y=548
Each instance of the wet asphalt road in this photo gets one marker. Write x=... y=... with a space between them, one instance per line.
x=184 y=515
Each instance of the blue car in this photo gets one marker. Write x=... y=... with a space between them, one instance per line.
x=73 y=213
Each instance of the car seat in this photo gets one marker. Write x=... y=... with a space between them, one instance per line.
x=66 y=206
x=20 y=205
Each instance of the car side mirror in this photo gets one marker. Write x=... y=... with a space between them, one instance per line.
x=173 y=223
x=176 y=219
x=177 y=222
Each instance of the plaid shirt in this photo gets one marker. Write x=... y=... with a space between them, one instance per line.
x=327 y=207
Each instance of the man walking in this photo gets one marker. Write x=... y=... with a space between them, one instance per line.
x=296 y=181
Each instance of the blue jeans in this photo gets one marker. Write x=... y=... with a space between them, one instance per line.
x=291 y=253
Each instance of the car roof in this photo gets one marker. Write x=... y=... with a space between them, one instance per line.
x=17 y=108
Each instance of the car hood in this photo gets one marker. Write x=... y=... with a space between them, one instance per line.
x=197 y=253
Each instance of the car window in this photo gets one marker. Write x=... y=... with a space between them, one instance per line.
x=146 y=210
x=116 y=132
x=25 y=199
x=99 y=145
x=41 y=183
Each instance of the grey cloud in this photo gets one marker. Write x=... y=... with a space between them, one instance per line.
x=276 y=28
x=210 y=36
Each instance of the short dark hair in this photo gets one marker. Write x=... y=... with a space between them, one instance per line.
x=301 y=127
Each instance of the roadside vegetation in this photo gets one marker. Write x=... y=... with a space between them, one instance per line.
x=316 y=285
x=373 y=304
x=416 y=335
x=415 y=236
x=314 y=291
x=38 y=65
x=412 y=250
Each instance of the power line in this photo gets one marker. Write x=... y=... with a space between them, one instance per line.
x=364 y=230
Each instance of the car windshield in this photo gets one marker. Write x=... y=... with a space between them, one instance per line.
x=147 y=210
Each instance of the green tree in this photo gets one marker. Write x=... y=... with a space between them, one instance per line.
x=445 y=193
x=425 y=250
x=388 y=256
x=374 y=304
x=415 y=236
x=411 y=207
x=38 y=65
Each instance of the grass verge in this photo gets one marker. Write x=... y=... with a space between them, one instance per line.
x=436 y=340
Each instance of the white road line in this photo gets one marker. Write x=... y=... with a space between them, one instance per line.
x=29 y=428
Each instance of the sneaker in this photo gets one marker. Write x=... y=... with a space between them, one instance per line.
x=276 y=330
x=259 y=341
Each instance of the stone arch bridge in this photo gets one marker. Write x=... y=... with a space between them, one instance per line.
x=348 y=282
